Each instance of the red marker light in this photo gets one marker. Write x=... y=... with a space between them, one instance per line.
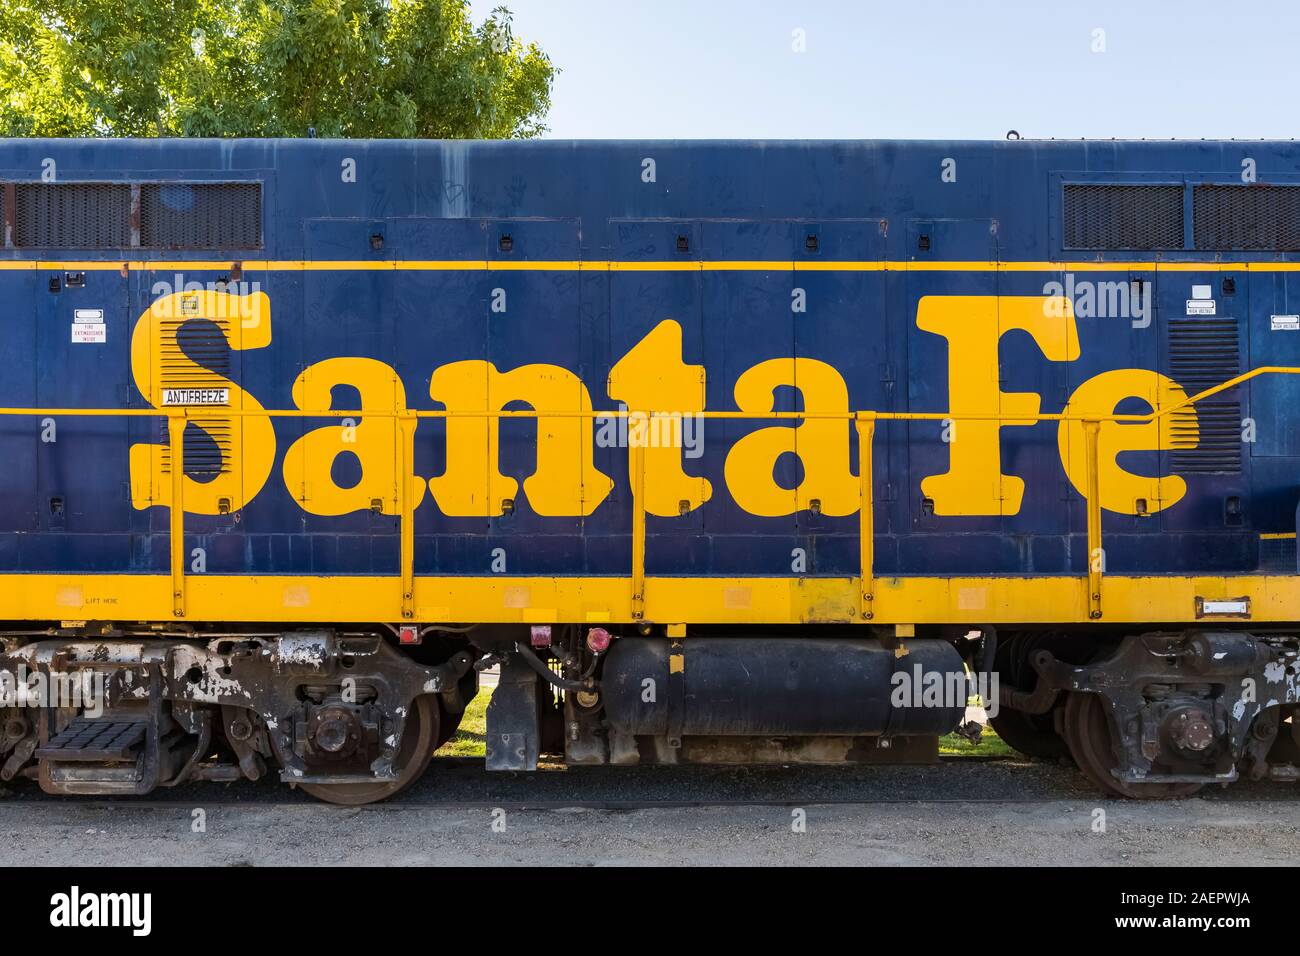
x=598 y=640
x=541 y=636
x=408 y=634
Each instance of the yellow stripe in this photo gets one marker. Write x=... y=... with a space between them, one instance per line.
x=597 y=265
x=695 y=600
x=693 y=266
x=510 y=265
x=946 y=267
x=1279 y=536
x=812 y=265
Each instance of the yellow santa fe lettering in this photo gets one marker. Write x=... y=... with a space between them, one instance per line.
x=974 y=326
x=566 y=481
x=822 y=444
x=309 y=462
x=167 y=376
x=1099 y=396
x=653 y=378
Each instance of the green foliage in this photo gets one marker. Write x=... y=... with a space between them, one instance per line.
x=349 y=68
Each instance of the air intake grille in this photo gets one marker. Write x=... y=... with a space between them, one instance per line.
x=1105 y=216
x=201 y=215
x=100 y=215
x=1246 y=217
x=72 y=215
x=185 y=343
x=1204 y=353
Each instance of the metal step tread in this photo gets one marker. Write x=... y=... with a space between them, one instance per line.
x=86 y=739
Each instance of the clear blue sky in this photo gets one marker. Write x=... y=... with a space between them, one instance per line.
x=637 y=69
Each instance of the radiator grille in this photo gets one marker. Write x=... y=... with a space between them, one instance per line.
x=72 y=215
x=1105 y=216
x=201 y=215
x=1203 y=353
x=1257 y=216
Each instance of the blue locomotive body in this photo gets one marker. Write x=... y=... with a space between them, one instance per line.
x=422 y=255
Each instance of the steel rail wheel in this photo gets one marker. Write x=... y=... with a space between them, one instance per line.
x=412 y=760
x=1088 y=735
x=1035 y=735
x=448 y=724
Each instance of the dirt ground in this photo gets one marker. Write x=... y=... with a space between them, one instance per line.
x=970 y=815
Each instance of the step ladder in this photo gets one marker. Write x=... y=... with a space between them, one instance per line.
x=95 y=739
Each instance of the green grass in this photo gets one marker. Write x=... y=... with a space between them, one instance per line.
x=990 y=745
x=471 y=736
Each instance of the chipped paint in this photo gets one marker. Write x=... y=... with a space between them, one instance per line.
x=302 y=651
x=213 y=687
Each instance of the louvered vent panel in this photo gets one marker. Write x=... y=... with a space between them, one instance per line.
x=1106 y=216
x=201 y=215
x=72 y=215
x=1203 y=353
x=1259 y=216
x=208 y=439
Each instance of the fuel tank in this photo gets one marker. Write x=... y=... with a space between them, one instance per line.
x=782 y=686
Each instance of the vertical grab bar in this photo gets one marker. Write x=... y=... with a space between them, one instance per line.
x=1096 y=553
x=866 y=426
x=638 y=529
x=406 y=422
x=176 y=422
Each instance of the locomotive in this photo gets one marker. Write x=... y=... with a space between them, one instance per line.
x=724 y=452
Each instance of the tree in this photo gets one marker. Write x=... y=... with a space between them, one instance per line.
x=348 y=68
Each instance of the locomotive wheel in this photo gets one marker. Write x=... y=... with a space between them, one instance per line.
x=422 y=727
x=1088 y=734
x=448 y=724
x=1034 y=735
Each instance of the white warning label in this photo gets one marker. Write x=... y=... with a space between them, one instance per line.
x=196 y=396
x=89 y=332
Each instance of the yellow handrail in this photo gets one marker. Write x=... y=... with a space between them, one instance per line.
x=176 y=425
x=864 y=422
x=223 y=412
x=637 y=479
x=866 y=426
x=407 y=528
